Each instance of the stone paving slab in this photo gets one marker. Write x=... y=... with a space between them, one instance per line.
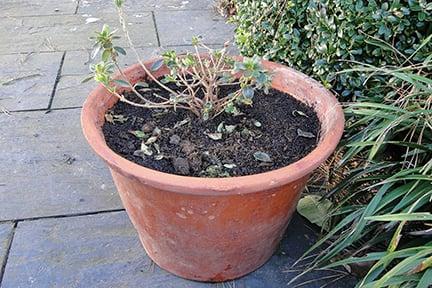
x=48 y=169
x=188 y=23
x=100 y=6
x=78 y=62
x=5 y=237
x=104 y=251
x=68 y=32
x=11 y=8
x=27 y=80
x=71 y=92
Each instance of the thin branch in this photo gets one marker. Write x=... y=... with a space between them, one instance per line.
x=129 y=39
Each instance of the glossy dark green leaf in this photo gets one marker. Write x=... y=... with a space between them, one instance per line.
x=141 y=85
x=120 y=50
x=87 y=79
x=122 y=83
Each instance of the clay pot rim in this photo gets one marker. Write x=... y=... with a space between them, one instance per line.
x=215 y=186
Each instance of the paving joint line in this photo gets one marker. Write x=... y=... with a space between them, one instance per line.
x=83 y=13
x=45 y=109
x=63 y=215
x=69 y=50
x=56 y=82
x=77 y=7
x=8 y=248
x=190 y=45
x=156 y=28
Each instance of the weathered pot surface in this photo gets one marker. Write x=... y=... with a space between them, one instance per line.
x=214 y=229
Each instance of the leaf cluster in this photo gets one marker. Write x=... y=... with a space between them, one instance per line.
x=323 y=37
x=391 y=231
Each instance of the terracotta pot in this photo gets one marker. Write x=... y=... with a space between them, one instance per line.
x=214 y=229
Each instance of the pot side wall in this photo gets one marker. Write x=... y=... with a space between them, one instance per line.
x=208 y=238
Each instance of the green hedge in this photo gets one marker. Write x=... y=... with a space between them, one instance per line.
x=321 y=37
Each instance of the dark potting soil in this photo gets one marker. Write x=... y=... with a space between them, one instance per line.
x=275 y=131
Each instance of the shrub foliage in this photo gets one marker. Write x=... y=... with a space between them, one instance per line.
x=382 y=217
x=322 y=37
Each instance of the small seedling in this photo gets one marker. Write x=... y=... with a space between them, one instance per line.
x=305 y=134
x=262 y=156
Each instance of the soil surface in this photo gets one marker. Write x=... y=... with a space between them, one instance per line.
x=276 y=131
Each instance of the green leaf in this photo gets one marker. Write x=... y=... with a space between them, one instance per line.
x=402 y=217
x=262 y=156
x=215 y=136
x=221 y=127
x=305 y=134
x=157 y=65
x=146 y=149
x=87 y=79
x=168 y=79
x=248 y=92
x=374 y=256
x=407 y=265
x=298 y=112
x=121 y=83
x=257 y=123
x=120 y=50
x=395 y=281
x=426 y=279
x=229 y=166
x=230 y=108
x=142 y=84
x=195 y=40
x=342 y=224
x=119 y=3
x=314 y=210
x=106 y=55
x=139 y=134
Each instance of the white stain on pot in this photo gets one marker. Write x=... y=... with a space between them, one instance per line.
x=181 y=215
x=211 y=217
x=190 y=212
x=273 y=182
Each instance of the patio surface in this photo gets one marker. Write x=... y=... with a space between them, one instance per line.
x=61 y=221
